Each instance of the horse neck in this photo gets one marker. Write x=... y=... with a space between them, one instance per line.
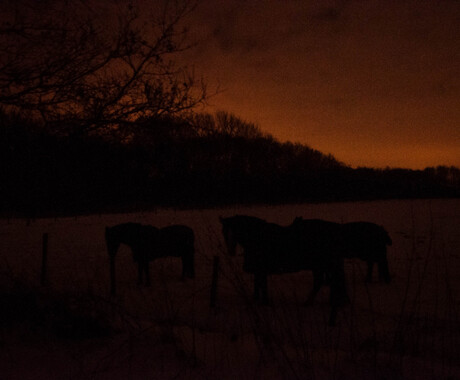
x=127 y=237
x=247 y=236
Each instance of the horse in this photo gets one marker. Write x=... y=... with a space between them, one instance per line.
x=148 y=243
x=269 y=248
x=364 y=240
x=368 y=242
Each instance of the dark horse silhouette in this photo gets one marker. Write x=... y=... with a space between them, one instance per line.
x=148 y=243
x=364 y=240
x=269 y=248
x=367 y=241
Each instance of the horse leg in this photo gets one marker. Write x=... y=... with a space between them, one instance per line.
x=112 y=248
x=112 y=275
x=260 y=287
x=139 y=272
x=256 y=286
x=188 y=263
x=338 y=297
x=184 y=267
x=384 y=272
x=147 y=273
x=338 y=293
x=333 y=315
x=264 y=288
x=191 y=261
x=318 y=278
x=370 y=269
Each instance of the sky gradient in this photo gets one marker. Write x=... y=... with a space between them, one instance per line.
x=375 y=83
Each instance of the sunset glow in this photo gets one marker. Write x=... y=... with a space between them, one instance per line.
x=374 y=83
x=229 y=189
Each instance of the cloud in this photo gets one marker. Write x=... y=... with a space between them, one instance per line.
x=328 y=14
x=330 y=68
x=245 y=27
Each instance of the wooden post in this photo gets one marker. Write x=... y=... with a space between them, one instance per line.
x=44 y=259
x=112 y=276
x=215 y=275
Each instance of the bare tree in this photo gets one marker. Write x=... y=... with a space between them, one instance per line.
x=85 y=66
x=226 y=124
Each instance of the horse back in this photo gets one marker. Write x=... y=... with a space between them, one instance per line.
x=124 y=233
x=318 y=238
x=246 y=230
x=276 y=249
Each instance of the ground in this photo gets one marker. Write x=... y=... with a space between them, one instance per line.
x=71 y=328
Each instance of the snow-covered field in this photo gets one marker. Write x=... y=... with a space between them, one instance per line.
x=409 y=329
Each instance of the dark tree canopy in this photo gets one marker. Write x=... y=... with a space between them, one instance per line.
x=83 y=66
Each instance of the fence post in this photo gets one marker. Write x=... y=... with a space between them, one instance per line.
x=215 y=275
x=44 y=259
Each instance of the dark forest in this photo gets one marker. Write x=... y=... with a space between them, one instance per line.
x=98 y=119
x=199 y=161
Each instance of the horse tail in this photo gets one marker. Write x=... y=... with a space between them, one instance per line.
x=108 y=241
x=386 y=237
x=107 y=232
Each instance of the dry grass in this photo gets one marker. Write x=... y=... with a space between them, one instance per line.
x=72 y=328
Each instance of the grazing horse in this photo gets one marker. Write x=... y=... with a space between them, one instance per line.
x=269 y=248
x=367 y=241
x=364 y=240
x=148 y=243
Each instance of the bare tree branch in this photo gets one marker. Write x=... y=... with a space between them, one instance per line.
x=90 y=67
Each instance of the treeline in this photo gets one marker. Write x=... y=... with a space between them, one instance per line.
x=198 y=161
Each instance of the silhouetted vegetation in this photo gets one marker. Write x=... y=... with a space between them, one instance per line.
x=82 y=69
x=204 y=160
x=98 y=118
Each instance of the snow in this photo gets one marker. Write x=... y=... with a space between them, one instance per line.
x=408 y=329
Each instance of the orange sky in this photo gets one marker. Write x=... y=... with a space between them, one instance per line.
x=375 y=83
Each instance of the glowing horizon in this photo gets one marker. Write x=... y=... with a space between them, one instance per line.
x=374 y=84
